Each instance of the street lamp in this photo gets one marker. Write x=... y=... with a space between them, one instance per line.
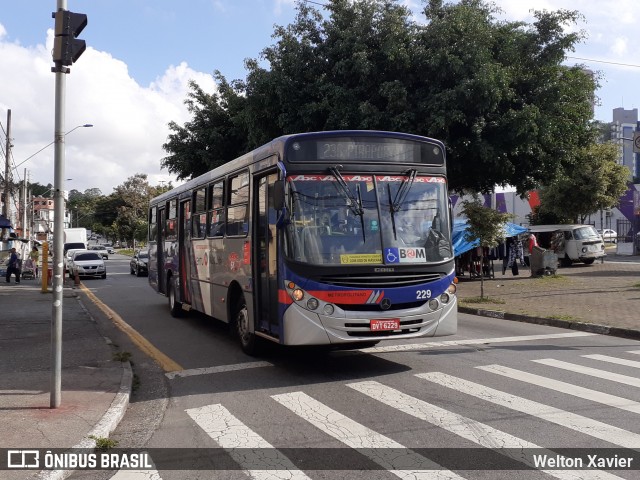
x=86 y=125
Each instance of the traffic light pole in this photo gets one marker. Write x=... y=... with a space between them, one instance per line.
x=58 y=233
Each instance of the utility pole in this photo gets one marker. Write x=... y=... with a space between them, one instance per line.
x=7 y=171
x=24 y=206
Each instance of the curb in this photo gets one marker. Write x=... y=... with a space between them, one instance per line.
x=554 y=322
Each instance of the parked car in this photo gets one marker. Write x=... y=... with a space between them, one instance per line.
x=139 y=264
x=102 y=250
x=608 y=235
x=109 y=247
x=87 y=263
x=67 y=257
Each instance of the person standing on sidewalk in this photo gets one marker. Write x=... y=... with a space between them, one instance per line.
x=13 y=267
x=35 y=257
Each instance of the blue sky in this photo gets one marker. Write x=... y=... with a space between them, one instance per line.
x=131 y=81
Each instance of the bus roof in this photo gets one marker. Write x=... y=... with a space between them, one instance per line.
x=277 y=146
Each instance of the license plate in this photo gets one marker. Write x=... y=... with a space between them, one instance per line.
x=384 y=324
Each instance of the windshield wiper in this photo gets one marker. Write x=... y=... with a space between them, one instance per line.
x=401 y=194
x=354 y=202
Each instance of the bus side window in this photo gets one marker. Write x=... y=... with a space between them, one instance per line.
x=216 y=217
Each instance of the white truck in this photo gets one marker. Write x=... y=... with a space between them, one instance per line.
x=75 y=238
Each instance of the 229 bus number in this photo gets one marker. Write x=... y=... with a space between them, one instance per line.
x=423 y=294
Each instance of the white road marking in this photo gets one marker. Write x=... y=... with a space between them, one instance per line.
x=563 y=387
x=400 y=461
x=247 y=448
x=472 y=341
x=593 y=428
x=617 y=361
x=220 y=369
x=472 y=430
x=594 y=372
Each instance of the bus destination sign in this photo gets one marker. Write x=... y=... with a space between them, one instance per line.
x=364 y=149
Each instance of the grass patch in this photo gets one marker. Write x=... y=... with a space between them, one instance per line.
x=103 y=443
x=636 y=285
x=122 y=356
x=482 y=300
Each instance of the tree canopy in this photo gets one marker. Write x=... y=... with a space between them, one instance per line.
x=594 y=183
x=496 y=92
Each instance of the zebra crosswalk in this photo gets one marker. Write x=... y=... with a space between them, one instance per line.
x=263 y=459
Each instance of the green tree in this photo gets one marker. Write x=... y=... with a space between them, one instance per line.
x=497 y=93
x=593 y=183
x=134 y=193
x=210 y=139
x=485 y=225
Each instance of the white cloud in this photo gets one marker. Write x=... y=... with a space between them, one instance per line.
x=130 y=121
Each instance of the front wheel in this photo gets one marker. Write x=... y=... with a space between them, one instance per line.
x=589 y=261
x=175 y=307
x=249 y=343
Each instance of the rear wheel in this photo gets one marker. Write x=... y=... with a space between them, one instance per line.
x=249 y=343
x=175 y=307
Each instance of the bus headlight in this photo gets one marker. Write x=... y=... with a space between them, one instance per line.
x=433 y=304
x=328 y=309
x=452 y=289
x=444 y=298
x=297 y=294
x=312 y=303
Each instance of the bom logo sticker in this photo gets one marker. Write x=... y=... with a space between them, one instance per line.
x=405 y=255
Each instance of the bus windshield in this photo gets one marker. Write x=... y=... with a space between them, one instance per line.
x=351 y=219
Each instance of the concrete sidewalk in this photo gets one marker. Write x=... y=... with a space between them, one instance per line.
x=95 y=387
x=602 y=298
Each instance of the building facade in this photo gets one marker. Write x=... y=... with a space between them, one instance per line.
x=624 y=125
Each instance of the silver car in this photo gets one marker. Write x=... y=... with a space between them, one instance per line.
x=87 y=263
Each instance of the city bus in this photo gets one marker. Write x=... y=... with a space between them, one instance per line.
x=339 y=238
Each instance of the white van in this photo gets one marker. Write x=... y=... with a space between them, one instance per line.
x=572 y=243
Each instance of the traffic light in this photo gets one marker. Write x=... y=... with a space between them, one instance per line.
x=67 y=48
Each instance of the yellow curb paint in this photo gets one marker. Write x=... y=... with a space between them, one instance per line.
x=167 y=364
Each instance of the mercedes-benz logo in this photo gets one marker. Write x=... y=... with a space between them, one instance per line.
x=385 y=304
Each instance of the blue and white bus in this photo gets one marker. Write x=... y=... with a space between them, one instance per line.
x=329 y=238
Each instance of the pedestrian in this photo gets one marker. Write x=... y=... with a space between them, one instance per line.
x=516 y=254
x=35 y=257
x=533 y=242
x=13 y=266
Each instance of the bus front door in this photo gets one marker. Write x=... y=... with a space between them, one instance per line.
x=162 y=216
x=266 y=297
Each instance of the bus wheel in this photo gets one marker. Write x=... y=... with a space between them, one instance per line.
x=248 y=341
x=175 y=307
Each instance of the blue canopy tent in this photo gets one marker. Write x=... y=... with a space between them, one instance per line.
x=461 y=245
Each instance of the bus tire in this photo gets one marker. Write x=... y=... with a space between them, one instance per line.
x=242 y=328
x=175 y=307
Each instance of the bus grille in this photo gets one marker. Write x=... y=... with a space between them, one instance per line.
x=380 y=280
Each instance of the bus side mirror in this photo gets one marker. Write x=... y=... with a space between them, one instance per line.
x=278 y=194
